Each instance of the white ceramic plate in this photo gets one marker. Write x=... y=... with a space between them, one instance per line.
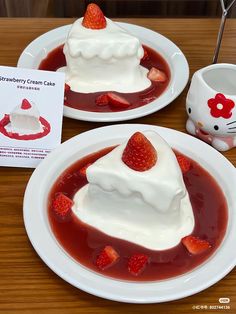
x=41 y=46
x=46 y=245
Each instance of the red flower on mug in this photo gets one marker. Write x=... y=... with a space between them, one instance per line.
x=221 y=106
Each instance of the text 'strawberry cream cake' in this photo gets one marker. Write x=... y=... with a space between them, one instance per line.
x=102 y=56
x=137 y=193
x=25 y=119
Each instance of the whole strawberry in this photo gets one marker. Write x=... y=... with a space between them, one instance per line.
x=25 y=104
x=94 y=17
x=139 y=153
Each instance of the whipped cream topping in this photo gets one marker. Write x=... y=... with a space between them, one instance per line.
x=25 y=121
x=150 y=208
x=105 y=43
x=106 y=59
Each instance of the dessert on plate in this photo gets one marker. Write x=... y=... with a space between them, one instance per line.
x=138 y=211
x=102 y=56
x=24 y=122
x=25 y=119
x=119 y=186
x=106 y=67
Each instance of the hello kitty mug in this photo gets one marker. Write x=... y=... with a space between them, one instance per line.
x=211 y=105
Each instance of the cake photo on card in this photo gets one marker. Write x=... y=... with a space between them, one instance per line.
x=106 y=67
x=138 y=211
x=24 y=122
x=25 y=117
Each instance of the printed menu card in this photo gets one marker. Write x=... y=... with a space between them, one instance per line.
x=31 y=113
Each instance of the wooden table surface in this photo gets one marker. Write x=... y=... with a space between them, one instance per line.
x=27 y=285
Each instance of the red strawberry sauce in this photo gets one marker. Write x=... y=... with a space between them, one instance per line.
x=84 y=243
x=56 y=59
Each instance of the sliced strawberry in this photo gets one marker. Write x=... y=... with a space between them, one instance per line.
x=25 y=104
x=67 y=88
x=117 y=101
x=107 y=257
x=102 y=100
x=145 y=55
x=157 y=75
x=137 y=264
x=184 y=163
x=83 y=170
x=195 y=245
x=94 y=17
x=139 y=154
x=62 y=205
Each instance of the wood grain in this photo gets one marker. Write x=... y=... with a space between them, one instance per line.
x=27 y=285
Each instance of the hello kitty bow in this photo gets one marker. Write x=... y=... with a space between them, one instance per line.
x=220 y=106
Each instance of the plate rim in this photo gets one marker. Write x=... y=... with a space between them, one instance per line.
x=111 y=295
x=121 y=115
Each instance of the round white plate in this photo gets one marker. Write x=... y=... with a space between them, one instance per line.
x=41 y=46
x=46 y=245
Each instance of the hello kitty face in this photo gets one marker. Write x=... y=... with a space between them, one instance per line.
x=215 y=116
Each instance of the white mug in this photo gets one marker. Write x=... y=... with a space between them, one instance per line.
x=211 y=105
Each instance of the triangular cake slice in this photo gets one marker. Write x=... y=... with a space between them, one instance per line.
x=25 y=117
x=102 y=56
x=138 y=197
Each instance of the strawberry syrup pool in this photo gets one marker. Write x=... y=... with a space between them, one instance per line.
x=84 y=243
x=81 y=101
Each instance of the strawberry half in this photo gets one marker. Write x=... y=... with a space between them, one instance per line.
x=102 y=100
x=83 y=170
x=157 y=75
x=195 y=245
x=184 y=163
x=139 y=153
x=137 y=264
x=117 y=101
x=94 y=17
x=62 y=205
x=107 y=257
